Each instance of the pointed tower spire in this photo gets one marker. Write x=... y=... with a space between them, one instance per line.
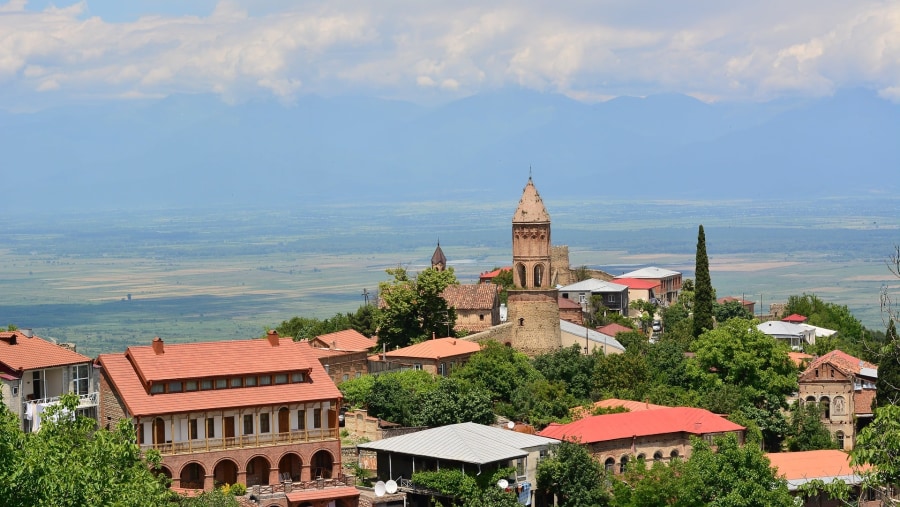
x=438 y=259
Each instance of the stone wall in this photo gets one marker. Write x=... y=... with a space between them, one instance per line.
x=534 y=315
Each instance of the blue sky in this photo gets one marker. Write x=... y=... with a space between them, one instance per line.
x=55 y=53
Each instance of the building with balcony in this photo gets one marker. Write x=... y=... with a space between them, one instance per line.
x=260 y=412
x=668 y=282
x=35 y=372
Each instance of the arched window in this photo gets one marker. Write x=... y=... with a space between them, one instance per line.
x=538 y=275
x=609 y=464
x=825 y=402
x=657 y=456
x=810 y=399
x=839 y=438
x=673 y=454
x=520 y=275
x=623 y=464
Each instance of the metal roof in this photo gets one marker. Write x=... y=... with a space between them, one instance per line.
x=650 y=272
x=465 y=442
x=593 y=285
x=594 y=336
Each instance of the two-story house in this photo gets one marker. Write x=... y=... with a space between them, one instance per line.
x=610 y=295
x=261 y=412
x=34 y=373
x=844 y=386
x=477 y=305
x=669 y=282
x=438 y=356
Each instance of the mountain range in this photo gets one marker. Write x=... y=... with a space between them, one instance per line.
x=189 y=151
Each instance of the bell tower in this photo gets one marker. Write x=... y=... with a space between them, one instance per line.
x=532 y=303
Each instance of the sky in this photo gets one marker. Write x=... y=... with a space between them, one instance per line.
x=63 y=52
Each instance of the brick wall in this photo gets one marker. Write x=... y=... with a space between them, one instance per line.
x=534 y=315
x=111 y=409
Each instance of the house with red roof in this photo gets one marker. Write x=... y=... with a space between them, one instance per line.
x=477 y=305
x=660 y=434
x=488 y=277
x=260 y=412
x=794 y=318
x=438 y=356
x=640 y=288
x=844 y=386
x=827 y=466
x=344 y=354
x=35 y=372
x=669 y=282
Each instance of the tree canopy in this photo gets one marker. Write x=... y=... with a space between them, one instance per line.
x=412 y=309
x=574 y=476
x=704 y=297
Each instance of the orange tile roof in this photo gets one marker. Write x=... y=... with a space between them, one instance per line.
x=566 y=303
x=630 y=405
x=209 y=359
x=614 y=329
x=439 y=348
x=843 y=361
x=309 y=495
x=348 y=340
x=864 y=402
x=800 y=357
x=602 y=428
x=813 y=464
x=212 y=359
x=486 y=277
x=35 y=352
x=479 y=296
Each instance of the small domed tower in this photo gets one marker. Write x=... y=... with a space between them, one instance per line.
x=532 y=304
x=438 y=259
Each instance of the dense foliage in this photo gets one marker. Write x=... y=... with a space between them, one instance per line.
x=459 y=489
x=807 y=432
x=574 y=476
x=704 y=297
x=412 y=309
x=305 y=328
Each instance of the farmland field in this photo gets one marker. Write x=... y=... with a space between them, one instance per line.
x=106 y=281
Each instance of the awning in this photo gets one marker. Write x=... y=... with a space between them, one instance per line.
x=306 y=495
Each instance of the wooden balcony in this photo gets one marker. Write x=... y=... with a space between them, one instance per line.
x=244 y=441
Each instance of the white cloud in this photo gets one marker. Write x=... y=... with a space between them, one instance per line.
x=716 y=50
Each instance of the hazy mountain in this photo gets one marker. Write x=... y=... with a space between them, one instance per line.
x=188 y=151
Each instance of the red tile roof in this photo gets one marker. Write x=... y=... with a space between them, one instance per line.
x=20 y=353
x=637 y=283
x=843 y=361
x=813 y=464
x=309 y=495
x=206 y=359
x=795 y=318
x=629 y=405
x=613 y=329
x=439 y=348
x=479 y=296
x=800 y=358
x=567 y=304
x=863 y=401
x=661 y=421
x=487 y=277
x=347 y=340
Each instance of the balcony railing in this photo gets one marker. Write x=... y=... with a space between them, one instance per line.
x=84 y=400
x=244 y=441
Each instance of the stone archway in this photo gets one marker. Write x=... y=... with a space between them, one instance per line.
x=192 y=476
x=321 y=464
x=289 y=467
x=225 y=472
x=258 y=471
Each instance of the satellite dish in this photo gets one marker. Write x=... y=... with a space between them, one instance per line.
x=391 y=486
x=380 y=488
x=502 y=483
x=511 y=425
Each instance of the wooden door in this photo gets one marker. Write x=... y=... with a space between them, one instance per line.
x=159 y=431
x=284 y=420
x=229 y=426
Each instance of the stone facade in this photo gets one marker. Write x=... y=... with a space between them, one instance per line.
x=343 y=366
x=534 y=319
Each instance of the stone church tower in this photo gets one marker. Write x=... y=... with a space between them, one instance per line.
x=532 y=305
x=438 y=259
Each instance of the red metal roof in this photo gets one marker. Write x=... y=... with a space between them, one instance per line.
x=795 y=318
x=201 y=360
x=660 y=421
x=347 y=340
x=20 y=353
x=491 y=274
x=637 y=283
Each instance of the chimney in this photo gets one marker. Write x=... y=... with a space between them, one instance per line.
x=272 y=336
x=157 y=345
x=27 y=332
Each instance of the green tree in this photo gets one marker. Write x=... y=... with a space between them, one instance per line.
x=807 y=432
x=363 y=321
x=505 y=280
x=573 y=475
x=413 y=310
x=878 y=445
x=499 y=369
x=624 y=376
x=704 y=297
x=70 y=463
x=305 y=328
x=887 y=386
x=455 y=401
x=467 y=490
x=539 y=403
x=731 y=310
x=356 y=391
x=396 y=397
x=569 y=366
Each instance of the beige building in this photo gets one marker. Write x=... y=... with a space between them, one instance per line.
x=344 y=354
x=845 y=388
x=477 y=306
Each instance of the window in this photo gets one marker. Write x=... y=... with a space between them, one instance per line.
x=140 y=434
x=317 y=418
x=193 y=429
x=538 y=275
x=358 y=374
x=301 y=419
x=442 y=369
x=657 y=456
x=480 y=316
x=346 y=377
x=37 y=383
x=15 y=390
x=610 y=298
x=174 y=387
x=825 y=402
x=264 y=422
x=609 y=465
x=237 y=382
x=250 y=381
x=221 y=383
x=190 y=385
x=210 y=428
x=206 y=384
x=623 y=464
x=281 y=378
x=418 y=366
x=265 y=380
x=80 y=379
x=839 y=438
x=157 y=388
x=248 y=424
x=673 y=454
x=582 y=298
x=520 y=467
x=297 y=377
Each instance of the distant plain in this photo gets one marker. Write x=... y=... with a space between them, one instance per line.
x=228 y=274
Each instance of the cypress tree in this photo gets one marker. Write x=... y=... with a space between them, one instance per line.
x=703 y=291
x=887 y=387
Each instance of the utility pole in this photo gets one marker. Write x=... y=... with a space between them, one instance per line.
x=365 y=295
